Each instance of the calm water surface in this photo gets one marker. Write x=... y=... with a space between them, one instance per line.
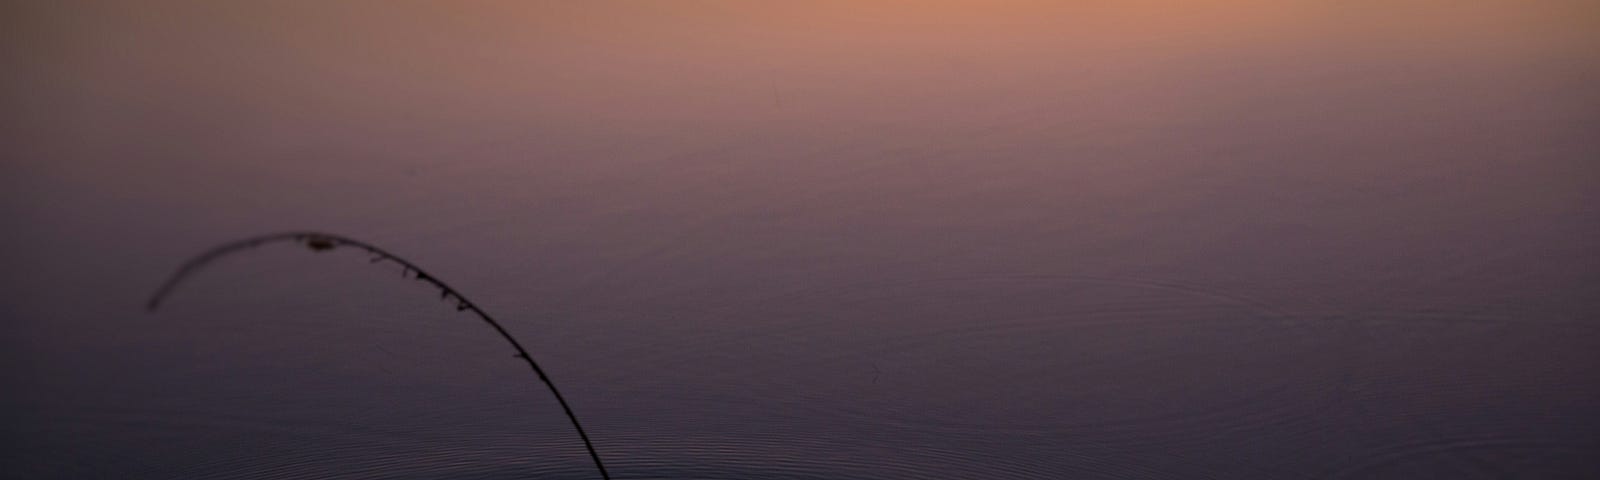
x=853 y=240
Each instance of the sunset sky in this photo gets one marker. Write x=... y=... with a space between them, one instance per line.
x=852 y=239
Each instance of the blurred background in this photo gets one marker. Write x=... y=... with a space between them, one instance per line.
x=802 y=240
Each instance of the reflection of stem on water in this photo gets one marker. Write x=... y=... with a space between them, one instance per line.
x=320 y=242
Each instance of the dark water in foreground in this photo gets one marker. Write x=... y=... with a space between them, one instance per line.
x=874 y=240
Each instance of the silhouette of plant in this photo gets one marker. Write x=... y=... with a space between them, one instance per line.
x=320 y=242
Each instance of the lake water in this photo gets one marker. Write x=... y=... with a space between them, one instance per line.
x=851 y=240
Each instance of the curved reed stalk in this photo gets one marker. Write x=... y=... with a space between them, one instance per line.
x=318 y=241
